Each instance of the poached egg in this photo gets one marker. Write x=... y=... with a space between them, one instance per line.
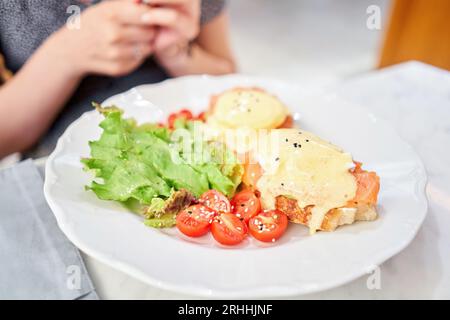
x=251 y=108
x=308 y=169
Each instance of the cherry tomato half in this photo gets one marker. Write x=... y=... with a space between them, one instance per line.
x=201 y=116
x=216 y=201
x=195 y=220
x=228 y=229
x=245 y=205
x=183 y=113
x=268 y=226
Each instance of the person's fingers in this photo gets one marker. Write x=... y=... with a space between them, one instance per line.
x=133 y=34
x=165 y=38
x=129 y=13
x=171 y=18
x=129 y=51
x=161 y=2
x=167 y=17
x=137 y=51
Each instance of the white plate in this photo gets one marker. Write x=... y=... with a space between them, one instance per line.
x=298 y=263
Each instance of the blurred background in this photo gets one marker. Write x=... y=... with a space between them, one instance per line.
x=322 y=41
x=317 y=43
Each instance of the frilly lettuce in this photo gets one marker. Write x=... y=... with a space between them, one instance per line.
x=142 y=166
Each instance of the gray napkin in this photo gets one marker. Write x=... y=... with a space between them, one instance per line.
x=36 y=259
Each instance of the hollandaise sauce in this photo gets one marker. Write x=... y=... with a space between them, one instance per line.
x=309 y=169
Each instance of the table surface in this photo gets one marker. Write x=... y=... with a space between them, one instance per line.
x=415 y=99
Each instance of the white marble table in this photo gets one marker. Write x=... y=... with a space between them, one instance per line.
x=415 y=98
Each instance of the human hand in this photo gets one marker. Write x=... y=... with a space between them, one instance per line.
x=179 y=23
x=114 y=38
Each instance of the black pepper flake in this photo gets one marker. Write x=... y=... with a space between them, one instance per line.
x=277 y=159
x=307 y=140
x=295 y=144
x=282 y=184
x=287 y=140
x=299 y=132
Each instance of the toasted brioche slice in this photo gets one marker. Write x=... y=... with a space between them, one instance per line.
x=333 y=219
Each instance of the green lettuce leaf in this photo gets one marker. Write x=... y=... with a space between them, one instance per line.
x=143 y=167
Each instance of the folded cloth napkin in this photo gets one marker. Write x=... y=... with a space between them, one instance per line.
x=36 y=259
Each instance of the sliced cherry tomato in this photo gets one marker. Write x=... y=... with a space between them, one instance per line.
x=183 y=113
x=245 y=205
x=228 y=229
x=216 y=201
x=201 y=116
x=268 y=226
x=195 y=220
x=171 y=119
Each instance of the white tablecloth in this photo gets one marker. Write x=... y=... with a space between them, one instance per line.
x=415 y=98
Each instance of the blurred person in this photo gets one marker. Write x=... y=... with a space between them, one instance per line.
x=58 y=71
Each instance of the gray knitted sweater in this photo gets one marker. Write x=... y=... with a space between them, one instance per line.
x=25 y=24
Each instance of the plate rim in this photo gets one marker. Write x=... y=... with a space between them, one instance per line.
x=199 y=291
